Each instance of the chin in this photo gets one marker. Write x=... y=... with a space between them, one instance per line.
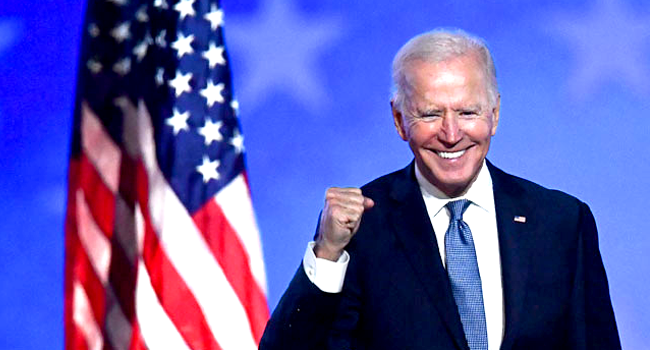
x=446 y=176
x=453 y=183
x=456 y=185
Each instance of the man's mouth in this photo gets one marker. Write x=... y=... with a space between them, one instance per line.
x=451 y=155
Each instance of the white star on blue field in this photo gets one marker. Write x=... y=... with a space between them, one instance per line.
x=9 y=31
x=281 y=48
x=611 y=44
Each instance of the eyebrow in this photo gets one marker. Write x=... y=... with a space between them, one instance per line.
x=436 y=110
x=473 y=108
x=432 y=110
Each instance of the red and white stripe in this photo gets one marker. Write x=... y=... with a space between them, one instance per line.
x=141 y=272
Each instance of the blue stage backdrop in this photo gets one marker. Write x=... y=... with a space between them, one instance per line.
x=313 y=81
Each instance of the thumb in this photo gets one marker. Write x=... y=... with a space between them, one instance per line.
x=368 y=203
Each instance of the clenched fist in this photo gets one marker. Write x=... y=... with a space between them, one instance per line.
x=340 y=220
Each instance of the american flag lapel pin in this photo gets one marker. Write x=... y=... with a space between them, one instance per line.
x=521 y=219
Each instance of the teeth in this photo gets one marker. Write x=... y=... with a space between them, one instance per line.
x=451 y=155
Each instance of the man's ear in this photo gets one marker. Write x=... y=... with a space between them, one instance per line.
x=398 y=120
x=495 y=115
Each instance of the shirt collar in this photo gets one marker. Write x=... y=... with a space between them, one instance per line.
x=479 y=193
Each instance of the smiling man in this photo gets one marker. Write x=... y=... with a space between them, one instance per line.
x=449 y=252
x=448 y=117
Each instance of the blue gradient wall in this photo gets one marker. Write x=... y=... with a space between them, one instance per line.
x=313 y=84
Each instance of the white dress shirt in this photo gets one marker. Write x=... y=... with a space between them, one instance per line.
x=327 y=275
x=480 y=216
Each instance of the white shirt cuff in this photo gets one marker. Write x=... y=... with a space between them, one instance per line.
x=327 y=275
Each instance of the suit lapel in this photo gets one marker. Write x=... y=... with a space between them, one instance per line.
x=511 y=210
x=418 y=239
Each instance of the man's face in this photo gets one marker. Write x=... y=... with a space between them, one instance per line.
x=448 y=121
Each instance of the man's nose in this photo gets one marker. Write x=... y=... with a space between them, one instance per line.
x=450 y=131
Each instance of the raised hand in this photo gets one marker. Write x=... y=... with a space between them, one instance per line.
x=340 y=220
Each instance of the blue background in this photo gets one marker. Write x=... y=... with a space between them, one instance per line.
x=313 y=85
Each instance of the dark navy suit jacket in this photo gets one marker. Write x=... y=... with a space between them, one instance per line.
x=397 y=295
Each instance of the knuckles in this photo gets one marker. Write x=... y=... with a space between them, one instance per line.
x=344 y=196
x=343 y=206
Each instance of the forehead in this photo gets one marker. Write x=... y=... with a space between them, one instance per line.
x=456 y=80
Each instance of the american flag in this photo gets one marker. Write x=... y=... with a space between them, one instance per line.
x=162 y=248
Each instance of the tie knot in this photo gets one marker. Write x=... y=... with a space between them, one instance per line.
x=457 y=208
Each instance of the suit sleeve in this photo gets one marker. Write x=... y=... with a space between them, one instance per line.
x=303 y=317
x=594 y=322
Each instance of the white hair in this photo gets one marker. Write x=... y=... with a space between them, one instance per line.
x=438 y=46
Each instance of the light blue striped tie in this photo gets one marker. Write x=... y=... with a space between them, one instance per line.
x=464 y=276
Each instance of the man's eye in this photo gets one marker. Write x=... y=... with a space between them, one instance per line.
x=469 y=114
